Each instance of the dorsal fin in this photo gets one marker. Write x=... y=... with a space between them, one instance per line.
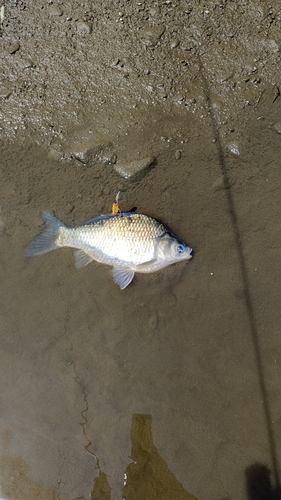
x=108 y=216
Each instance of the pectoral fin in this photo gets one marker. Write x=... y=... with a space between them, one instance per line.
x=122 y=277
x=82 y=259
x=146 y=267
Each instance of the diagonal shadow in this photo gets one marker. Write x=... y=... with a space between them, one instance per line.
x=246 y=282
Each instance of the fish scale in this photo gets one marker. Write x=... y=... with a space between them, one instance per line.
x=128 y=242
x=131 y=238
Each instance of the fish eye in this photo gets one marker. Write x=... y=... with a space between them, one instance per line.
x=180 y=248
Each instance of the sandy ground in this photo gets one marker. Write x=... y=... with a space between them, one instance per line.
x=170 y=388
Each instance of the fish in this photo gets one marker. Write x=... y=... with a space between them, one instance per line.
x=128 y=242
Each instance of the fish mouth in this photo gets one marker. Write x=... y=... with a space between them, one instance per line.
x=190 y=253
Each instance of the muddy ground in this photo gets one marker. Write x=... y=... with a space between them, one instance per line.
x=170 y=388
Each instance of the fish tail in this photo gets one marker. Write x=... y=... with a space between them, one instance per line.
x=46 y=241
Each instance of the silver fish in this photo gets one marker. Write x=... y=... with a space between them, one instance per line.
x=129 y=242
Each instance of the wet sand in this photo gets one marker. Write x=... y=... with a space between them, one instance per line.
x=194 y=347
x=170 y=388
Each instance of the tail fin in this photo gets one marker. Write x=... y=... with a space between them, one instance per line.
x=46 y=241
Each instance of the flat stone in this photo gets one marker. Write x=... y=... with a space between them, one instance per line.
x=54 y=153
x=151 y=35
x=135 y=169
x=273 y=46
x=88 y=148
x=24 y=63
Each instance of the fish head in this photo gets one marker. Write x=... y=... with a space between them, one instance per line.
x=171 y=249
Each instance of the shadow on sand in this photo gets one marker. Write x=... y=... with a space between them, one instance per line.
x=259 y=486
x=148 y=476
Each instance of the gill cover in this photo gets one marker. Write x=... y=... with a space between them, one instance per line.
x=171 y=249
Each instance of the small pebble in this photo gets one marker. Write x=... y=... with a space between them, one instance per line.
x=154 y=11
x=55 y=11
x=153 y=321
x=218 y=185
x=69 y=208
x=277 y=127
x=83 y=28
x=120 y=187
x=234 y=148
x=113 y=159
x=14 y=47
x=177 y=154
x=272 y=45
x=174 y=44
x=179 y=99
x=5 y=92
x=2 y=14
